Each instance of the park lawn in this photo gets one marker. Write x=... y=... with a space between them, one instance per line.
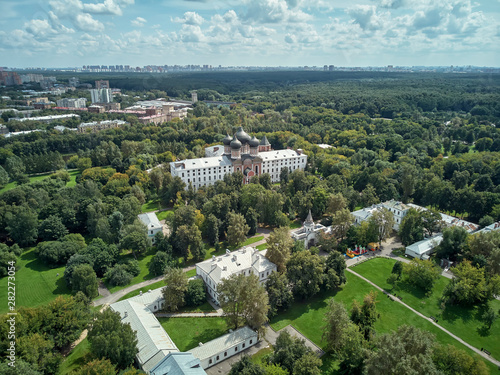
x=295 y=224
x=307 y=316
x=262 y=247
x=78 y=357
x=187 y=333
x=204 y=307
x=144 y=275
x=150 y=206
x=36 y=283
x=464 y=322
x=162 y=215
x=72 y=182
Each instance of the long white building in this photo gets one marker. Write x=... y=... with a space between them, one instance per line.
x=241 y=153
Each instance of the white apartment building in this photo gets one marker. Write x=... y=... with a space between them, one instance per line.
x=72 y=102
x=241 y=153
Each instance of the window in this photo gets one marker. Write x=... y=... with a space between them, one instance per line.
x=225 y=354
x=210 y=362
x=217 y=358
x=243 y=345
x=251 y=341
x=236 y=349
x=151 y=232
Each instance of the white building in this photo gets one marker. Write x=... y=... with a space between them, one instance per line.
x=422 y=249
x=101 y=96
x=154 y=226
x=241 y=153
x=72 y=102
x=225 y=346
x=310 y=233
x=178 y=364
x=490 y=228
x=246 y=261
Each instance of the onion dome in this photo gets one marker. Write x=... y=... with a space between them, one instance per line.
x=235 y=143
x=227 y=140
x=242 y=136
x=254 y=142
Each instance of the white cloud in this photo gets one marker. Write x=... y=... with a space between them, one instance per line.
x=139 y=22
x=108 y=7
x=190 y=18
x=86 y=22
x=274 y=11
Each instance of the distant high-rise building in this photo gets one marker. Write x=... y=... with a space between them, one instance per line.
x=72 y=102
x=194 y=96
x=331 y=68
x=102 y=84
x=73 y=81
x=325 y=68
x=10 y=79
x=101 y=96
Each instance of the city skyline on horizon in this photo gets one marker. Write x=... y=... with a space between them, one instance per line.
x=261 y=33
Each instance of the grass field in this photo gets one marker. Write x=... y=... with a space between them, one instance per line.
x=77 y=358
x=307 y=316
x=162 y=215
x=72 y=182
x=188 y=332
x=150 y=206
x=262 y=247
x=464 y=322
x=36 y=283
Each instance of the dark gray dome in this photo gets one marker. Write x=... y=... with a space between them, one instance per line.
x=242 y=136
x=227 y=140
x=254 y=142
x=235 y=143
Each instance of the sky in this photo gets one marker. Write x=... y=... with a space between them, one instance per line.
x=72 y=33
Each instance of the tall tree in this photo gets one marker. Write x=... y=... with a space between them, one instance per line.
x=335 y=270
x=336 y=326
x=454 y=240
x=110 y=338
x=421 y=273
x=411 y=229
x=52 y=228
x=22 y=225
x=365 y=315
x=384 y=221
x=176 y=284
x=279 y=293
x=341 y=222
x=243 y=300
x=84 y=280
x=279 y=247
x=306 y=273
x=237 y=229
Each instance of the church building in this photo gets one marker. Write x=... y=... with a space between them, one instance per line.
x=243 y=153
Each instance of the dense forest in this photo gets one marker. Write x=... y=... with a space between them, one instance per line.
x=432 y=139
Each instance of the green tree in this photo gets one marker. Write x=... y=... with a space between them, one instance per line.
x=279 y=293
x=397 y=269
x=176 y=285
x=384 y=221
x=336 y=326
x=365 y=315
x=411 y=229
x=251 y=217
x=159 y=263
x=289 y=353
x=52 y=228
x=212 y=229
x=342 y=220
x=237 y=229
x=22 y=368
x=136 y=240
x=188 y=241
x=468 y=287
x=489 y=317
x=109 y=338
x=245 y=366
x=421 y=273
x=243 y=300
x=14 y=167
x=118 y=275
x=335 y=270
x=4 y=177
x=305 y=272
x=454 y=239
x=453 y=361
x=97 y=367
x=269 y=202
x=279 y=247
x=308 y=364
x=195 y=293
x=22 y=225
x=84 y=280
x=406 y=351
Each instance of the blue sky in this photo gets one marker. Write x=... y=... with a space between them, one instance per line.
x=58 y=33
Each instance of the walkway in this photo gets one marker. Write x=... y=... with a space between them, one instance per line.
x=482 y=354
x=114 y=297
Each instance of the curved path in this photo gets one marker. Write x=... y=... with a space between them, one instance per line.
x=482 y=354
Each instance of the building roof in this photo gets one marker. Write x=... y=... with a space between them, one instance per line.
x=223 y=266
x=366 y=212
x=395 y=205
x=264 y=141
x=148 y=298
x=278 y=155
x=309 y=219
x=150 y=220
x=490 y=228
x=178 y=364
x=422 y=247
x=190 y=164
x=223 y=343
x=227 y=140
x=152 y=340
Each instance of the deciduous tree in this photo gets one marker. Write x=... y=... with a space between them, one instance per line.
x=237 y=229
x=176 y=284
x=279 y=247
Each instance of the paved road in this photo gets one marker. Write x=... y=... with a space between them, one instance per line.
x=484 y=355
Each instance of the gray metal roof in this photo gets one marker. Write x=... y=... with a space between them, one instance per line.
x=150 y=220
x=223 y=343
x=151 y=337
x=178 y=364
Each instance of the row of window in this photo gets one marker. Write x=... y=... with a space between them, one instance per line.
x=225 y=353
